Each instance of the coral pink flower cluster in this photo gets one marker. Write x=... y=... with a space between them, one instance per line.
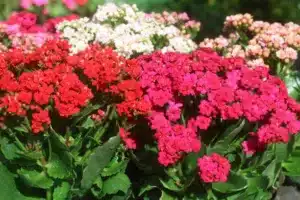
x=36 y=85
x=261 y=43
x=189 y=92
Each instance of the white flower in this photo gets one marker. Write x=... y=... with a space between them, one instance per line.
x=129 y=31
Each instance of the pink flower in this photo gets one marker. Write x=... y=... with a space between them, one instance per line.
x=28 y=3
x=130 y=143
x=40 y=2
x=213 y=168
x=71 y=4
x=252 y=145
x=174 y=111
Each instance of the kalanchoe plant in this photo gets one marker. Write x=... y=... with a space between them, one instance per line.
x=220 y=129
x=59 y=125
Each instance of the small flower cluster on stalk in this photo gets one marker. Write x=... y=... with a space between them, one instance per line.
x=261 y=43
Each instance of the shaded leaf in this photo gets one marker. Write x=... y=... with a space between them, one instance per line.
x=170 y=184
x=114 y=184
x=166 y=196
x=234 y=183
x=56 y=168
x=36 y=179
x=150 y=184
x=114 y=168
x=9 y=150
x=97 y=161
x=272 y=172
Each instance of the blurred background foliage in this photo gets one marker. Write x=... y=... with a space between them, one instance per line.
x=211 y=13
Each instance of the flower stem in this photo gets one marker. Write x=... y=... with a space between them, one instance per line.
x=49 y=194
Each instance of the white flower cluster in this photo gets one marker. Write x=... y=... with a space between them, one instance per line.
x=129 y=31
x=79 y=33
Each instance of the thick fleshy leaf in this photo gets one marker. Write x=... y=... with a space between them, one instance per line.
x=56 y=167
x=99 y=159
x=36 y=179
x=114 y=168
x=166 y=196
x=62 y=191
x=150 y=184
x=8 y=188
x=9 y=150
x=114 y=184
x=272 y=172
x=234 y=183
x=189 y=164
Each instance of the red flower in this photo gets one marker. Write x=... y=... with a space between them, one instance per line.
x=213 y=168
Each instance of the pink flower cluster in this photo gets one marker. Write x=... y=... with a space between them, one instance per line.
x=70 y=4
x=265 y=42
x=177 y=84
x=180 y=20
x=213 y=168
x=22 y=29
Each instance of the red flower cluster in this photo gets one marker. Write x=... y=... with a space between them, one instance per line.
x=213 y=168
x=108 y=72
x=33 y=84
x=221 y=88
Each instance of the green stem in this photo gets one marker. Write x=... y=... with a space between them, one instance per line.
x=50 y=149
x=49 y=194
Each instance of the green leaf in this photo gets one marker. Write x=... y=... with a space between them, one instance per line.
x=114 y=184
x=225 y=140
x=170 y=184
x=36 y=179
x=150 y=184
x=189 y=164
x=98 y=160
x=234 y=183
x=281 y=151
x=22 y=128
x=34 y=155
x=85 y=112
x=292 y=166
x=166 y=196
x=291 y=83
x=114 y=168
x=97 y=189
x=272 y=172
x=57 y=141
x=8 y=187
x=88 y=123
x=9 y=150
x=59 y=147
x=56 y=168
x=257 y=182
x=62 y=191
x=232 y=131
